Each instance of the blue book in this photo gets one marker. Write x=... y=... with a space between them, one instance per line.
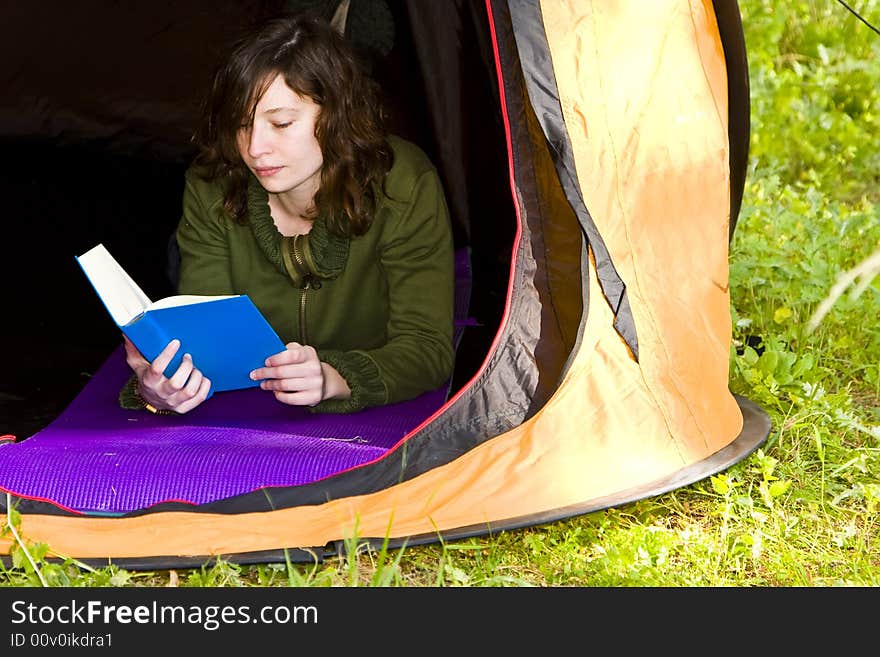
x=227 y=336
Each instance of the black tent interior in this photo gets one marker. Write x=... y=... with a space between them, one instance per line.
x=97 y=104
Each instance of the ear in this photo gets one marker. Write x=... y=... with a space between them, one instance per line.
x=339 y=16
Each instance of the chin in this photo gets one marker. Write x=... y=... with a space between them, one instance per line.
x=274 y=186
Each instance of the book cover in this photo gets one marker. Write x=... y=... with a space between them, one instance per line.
x=227 y=336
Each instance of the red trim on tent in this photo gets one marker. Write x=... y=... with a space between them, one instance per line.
x=516 y=239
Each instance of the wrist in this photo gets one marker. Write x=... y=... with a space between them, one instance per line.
x=335 y=385
x=138 y=401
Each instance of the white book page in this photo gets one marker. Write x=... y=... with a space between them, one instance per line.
x=186 y=300
x=122 y=297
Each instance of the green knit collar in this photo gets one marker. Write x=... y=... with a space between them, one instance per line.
x=306 y=259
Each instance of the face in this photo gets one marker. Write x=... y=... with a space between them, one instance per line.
x=280 y=147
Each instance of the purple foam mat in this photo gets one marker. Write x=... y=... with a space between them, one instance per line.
x=98 y=458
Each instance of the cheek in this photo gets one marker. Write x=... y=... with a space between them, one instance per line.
x=313 y=149
x=317 y=155
x=242 y=142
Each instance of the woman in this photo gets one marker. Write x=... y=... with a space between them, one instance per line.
x=338 y=232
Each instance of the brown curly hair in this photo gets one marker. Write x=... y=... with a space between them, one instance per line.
x=317 y=62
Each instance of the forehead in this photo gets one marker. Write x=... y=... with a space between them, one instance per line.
x=278 y=96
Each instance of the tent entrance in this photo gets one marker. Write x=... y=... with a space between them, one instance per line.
x=91 y=160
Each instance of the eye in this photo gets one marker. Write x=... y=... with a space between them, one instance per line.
x=283 y=125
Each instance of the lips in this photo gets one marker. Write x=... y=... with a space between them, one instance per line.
x=265 y=172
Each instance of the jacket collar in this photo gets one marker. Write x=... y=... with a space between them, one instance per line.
x=310 y=258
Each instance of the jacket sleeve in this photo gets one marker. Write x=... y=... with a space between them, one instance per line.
x=202 y=240
x=417 y=258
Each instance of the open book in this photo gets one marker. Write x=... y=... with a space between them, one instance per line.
x=226 y=336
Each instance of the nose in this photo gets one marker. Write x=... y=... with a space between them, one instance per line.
x=257 y=141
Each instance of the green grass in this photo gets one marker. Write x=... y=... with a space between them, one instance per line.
x=801 y=511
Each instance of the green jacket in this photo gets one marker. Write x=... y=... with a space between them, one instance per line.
x=381 y=308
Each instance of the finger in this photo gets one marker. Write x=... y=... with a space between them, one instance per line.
x=200 y=396
x=309 y=397
x=194 y=383
x=295 y=354
x=179 y=378
x=292 y=377
x=270 y=371
x=190 y=388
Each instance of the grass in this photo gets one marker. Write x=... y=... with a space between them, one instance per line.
x=801 y=511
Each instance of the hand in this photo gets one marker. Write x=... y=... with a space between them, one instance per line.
x=297 y=377
x=182 y=392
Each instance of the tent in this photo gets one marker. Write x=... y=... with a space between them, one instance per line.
x=594 y=155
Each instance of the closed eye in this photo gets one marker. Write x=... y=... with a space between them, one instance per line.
x=281 y=126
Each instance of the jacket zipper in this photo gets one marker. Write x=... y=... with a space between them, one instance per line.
x=308 y=284
x=303 y=293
